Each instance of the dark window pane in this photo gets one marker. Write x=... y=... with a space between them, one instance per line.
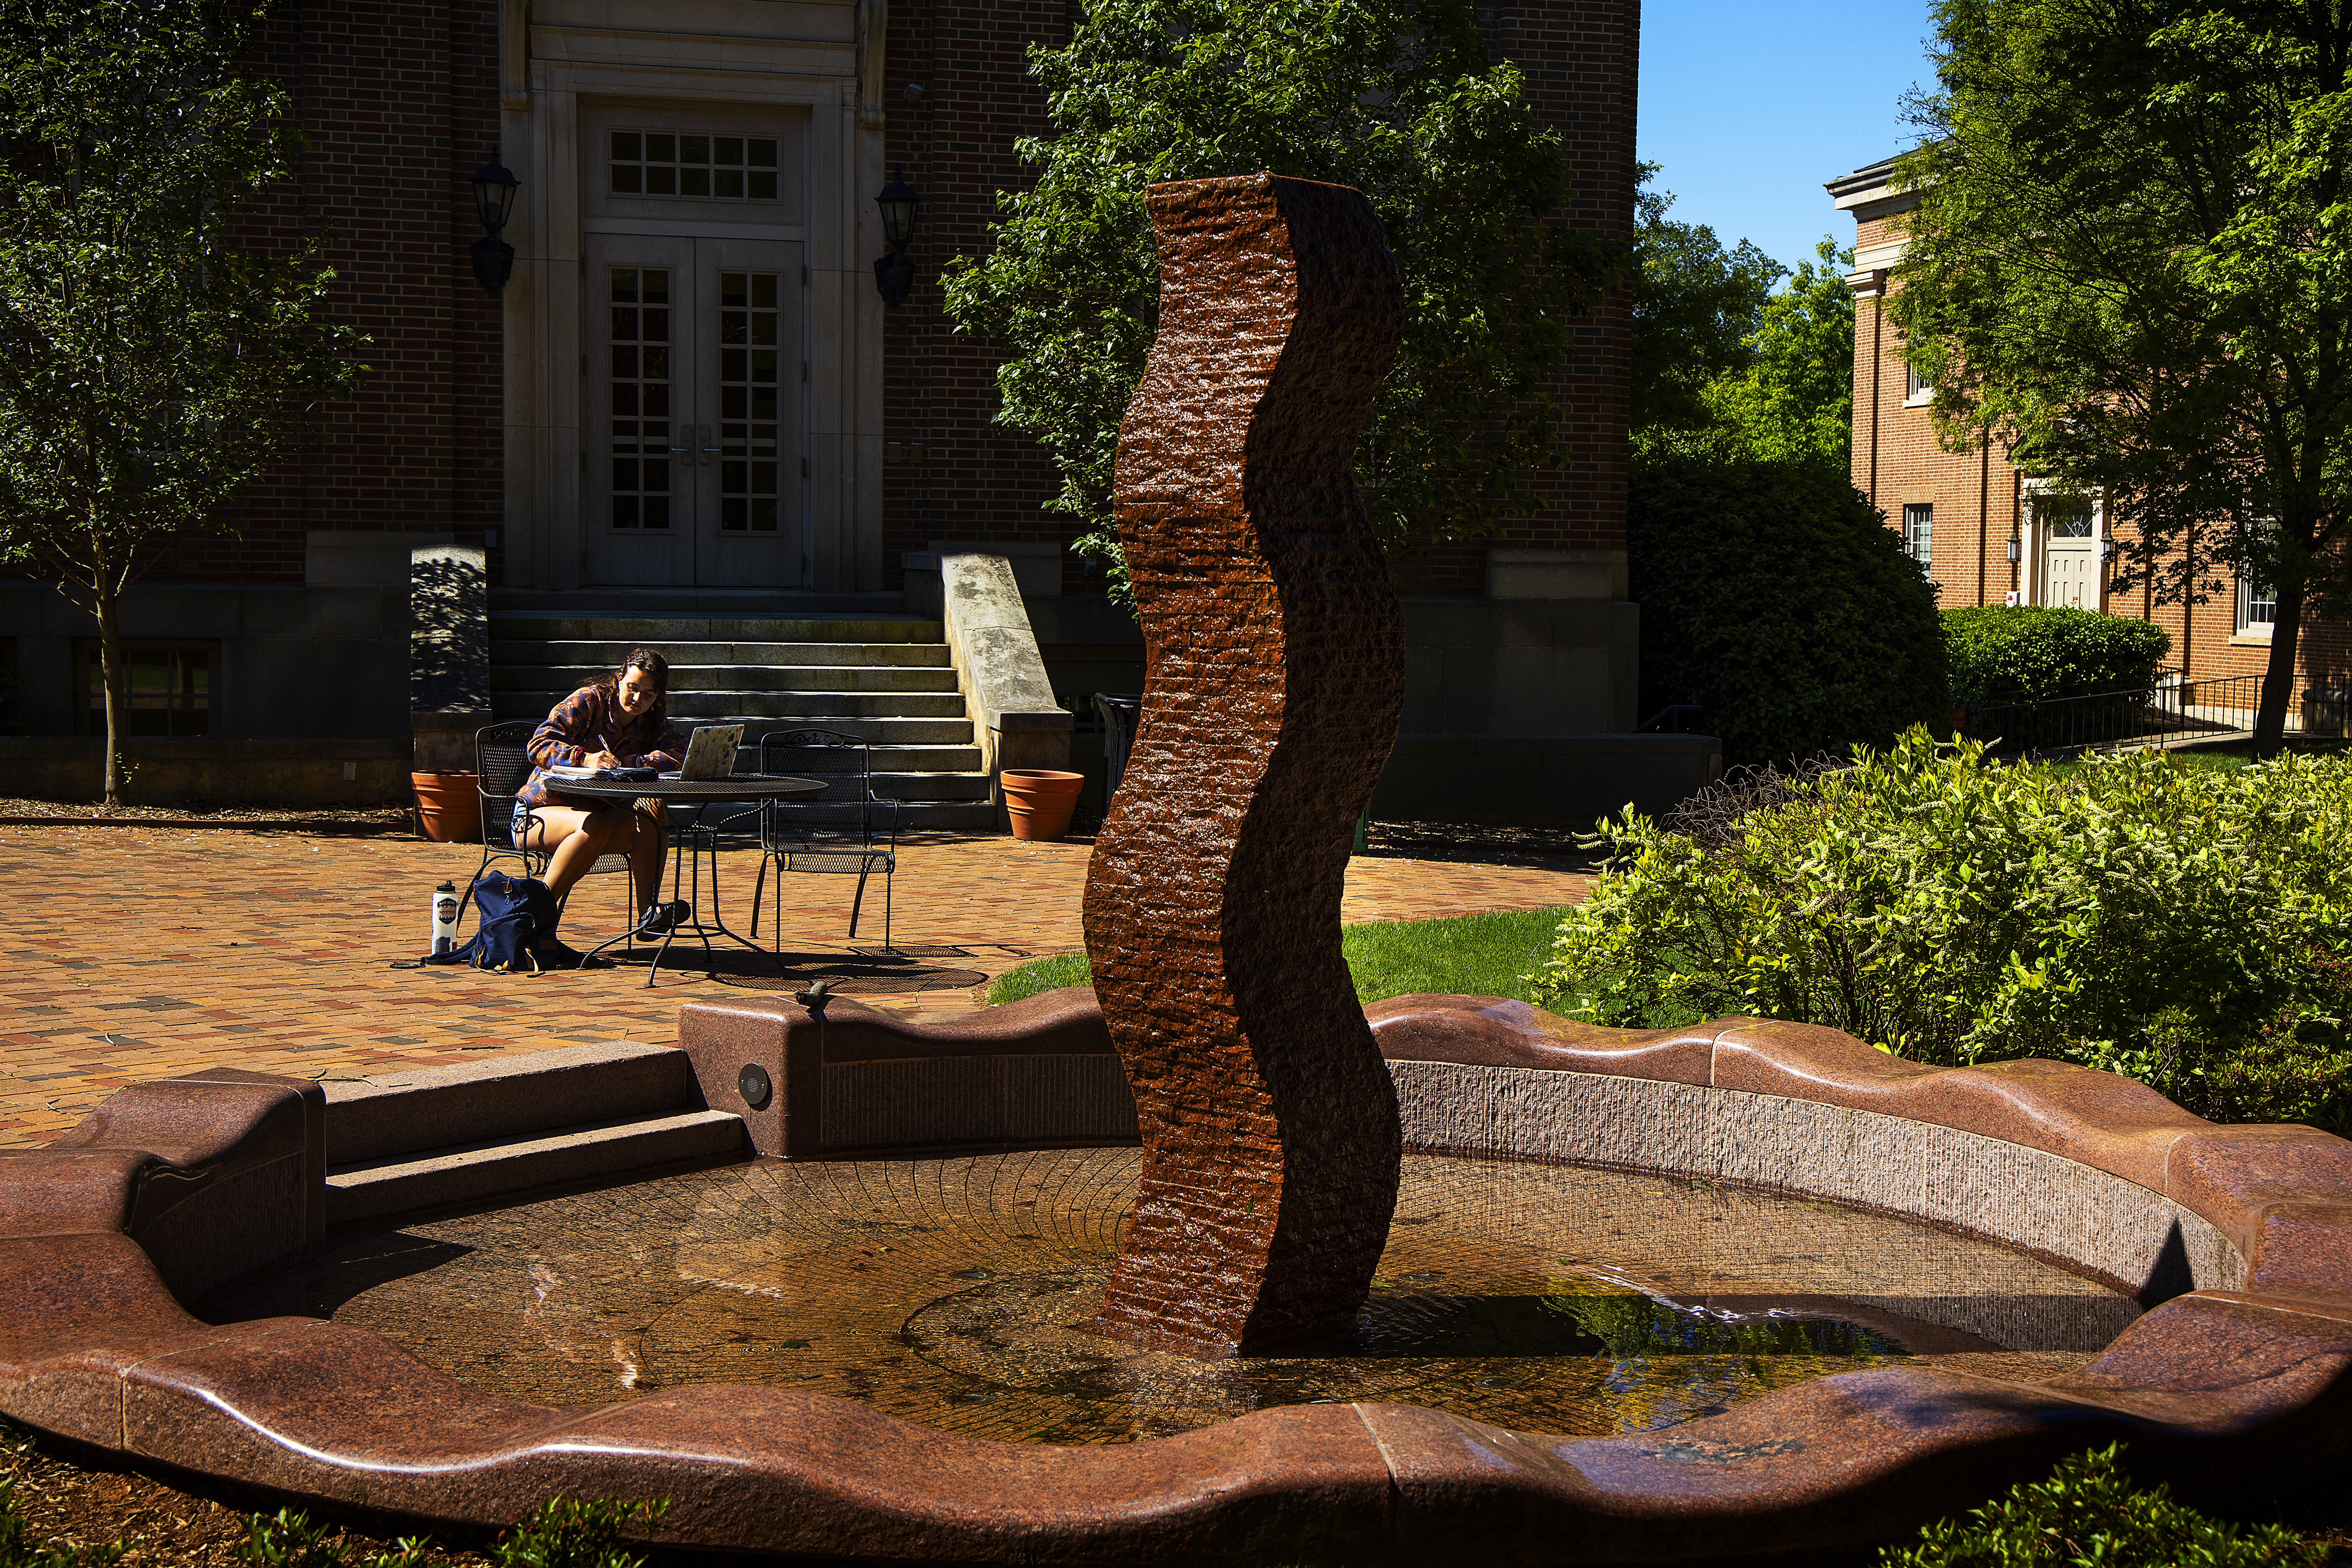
x=657 y=474
x=763 y=479
x=763 y=186
x=694 y=149
x=657 y=363
x=657 y=512
x=661 y=148
x=731 y=365
x=732 y=403
x=730 y=479
x=764 y=290
x=763 y=365
x=763 y=327
x=624 y=360
x=727 y=149
x=732 y=287
x=656 y=405
x=625 y=401
x=624 y=324
x=627 y=179
x=624 y=473
x=762 y=151
x=656 y=285
x=656 y=326
x=624 y=284
x=727 y=182
x=693 y=182
x=764 y=403
x=763 y=516
x=731 y=514
x=625 y=144
x=625 y=511
x=661 y=180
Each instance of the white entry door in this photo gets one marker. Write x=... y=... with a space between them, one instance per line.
x=2068 y=534
x=693 y=412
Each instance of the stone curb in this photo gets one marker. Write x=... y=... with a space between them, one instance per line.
x=173 y=1189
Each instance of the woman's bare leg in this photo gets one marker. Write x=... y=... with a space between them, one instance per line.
x=645 y=852
x=576 y=839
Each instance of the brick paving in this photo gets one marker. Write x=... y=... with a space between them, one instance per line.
x=139 y=953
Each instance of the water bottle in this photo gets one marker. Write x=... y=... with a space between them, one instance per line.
x=444 y=917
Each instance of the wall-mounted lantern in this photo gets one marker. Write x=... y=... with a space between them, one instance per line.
x=494 y=193
x=894 y=274
x=2016 y=550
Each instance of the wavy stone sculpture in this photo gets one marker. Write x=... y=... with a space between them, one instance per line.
x=1274 y=684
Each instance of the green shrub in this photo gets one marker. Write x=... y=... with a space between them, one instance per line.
x=1775 y=597
x=569 y=1533
x=2089 y=1513
x=2031 y=653
x=2131 y=913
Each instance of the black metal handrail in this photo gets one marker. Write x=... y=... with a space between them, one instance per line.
x=2141 y=715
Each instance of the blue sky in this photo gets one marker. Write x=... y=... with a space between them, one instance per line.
x=1751 y=104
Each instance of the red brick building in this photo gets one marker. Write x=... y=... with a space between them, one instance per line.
x=689 y=399
x=1974 y=521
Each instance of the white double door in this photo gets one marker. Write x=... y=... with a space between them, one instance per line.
x=692 y=413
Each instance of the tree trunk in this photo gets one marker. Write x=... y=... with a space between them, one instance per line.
x=2278 y=680
x=117 y=680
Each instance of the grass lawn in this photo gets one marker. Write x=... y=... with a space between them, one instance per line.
x=1467 y=955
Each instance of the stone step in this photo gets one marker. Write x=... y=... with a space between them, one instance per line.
x=755 y=709
x=558 y=680
x=380 y=1116
x=598 y=657
x=471 y=1171
x=928 y=717
x=636 y=631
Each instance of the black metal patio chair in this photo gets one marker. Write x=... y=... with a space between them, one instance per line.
x=833 y=833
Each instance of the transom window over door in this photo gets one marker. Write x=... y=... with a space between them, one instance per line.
x=680 y=163
x=641 y=397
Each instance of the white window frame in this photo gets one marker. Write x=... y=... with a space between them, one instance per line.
x=1926 y=557
x=2248 y=629
x=1916 y=391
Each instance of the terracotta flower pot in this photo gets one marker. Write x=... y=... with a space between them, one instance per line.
x=1039 y=801
x=449 y=805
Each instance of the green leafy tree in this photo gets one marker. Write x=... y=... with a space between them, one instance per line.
x=1396 y=98
x=2128 y=260
x=1793 y=400
x=149 y=366
x=1696 y=307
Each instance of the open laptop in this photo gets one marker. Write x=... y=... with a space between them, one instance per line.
x=711 y=754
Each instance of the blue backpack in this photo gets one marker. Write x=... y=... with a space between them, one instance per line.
x=517 y=931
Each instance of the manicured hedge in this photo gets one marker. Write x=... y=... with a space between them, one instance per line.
x=1997 y=654
x=2188 y=927
x=1775 y=597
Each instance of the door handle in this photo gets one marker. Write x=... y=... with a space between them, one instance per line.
x=709 y=449
x=684 y=433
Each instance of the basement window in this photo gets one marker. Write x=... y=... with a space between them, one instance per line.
x=171 y=687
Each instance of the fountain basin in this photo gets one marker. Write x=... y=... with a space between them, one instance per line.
x=2235 y=1239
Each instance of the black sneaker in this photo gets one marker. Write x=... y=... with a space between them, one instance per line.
x=660 y=918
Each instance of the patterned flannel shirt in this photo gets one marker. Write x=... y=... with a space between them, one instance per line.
x=570 y=733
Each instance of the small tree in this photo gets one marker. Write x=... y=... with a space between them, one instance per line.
x=1696 y=307
x=148 y=366
x=2129 y=260
x=1397 y=98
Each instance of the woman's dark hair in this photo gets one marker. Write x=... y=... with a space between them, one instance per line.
x=657 y=670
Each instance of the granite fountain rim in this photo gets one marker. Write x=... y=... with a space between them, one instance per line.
x=2214 y=1386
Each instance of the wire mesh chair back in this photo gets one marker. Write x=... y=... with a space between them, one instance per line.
x=502 y=758
x=841 y=818
x=833 y=833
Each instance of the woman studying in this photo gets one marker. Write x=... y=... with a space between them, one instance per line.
x=619 y=720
